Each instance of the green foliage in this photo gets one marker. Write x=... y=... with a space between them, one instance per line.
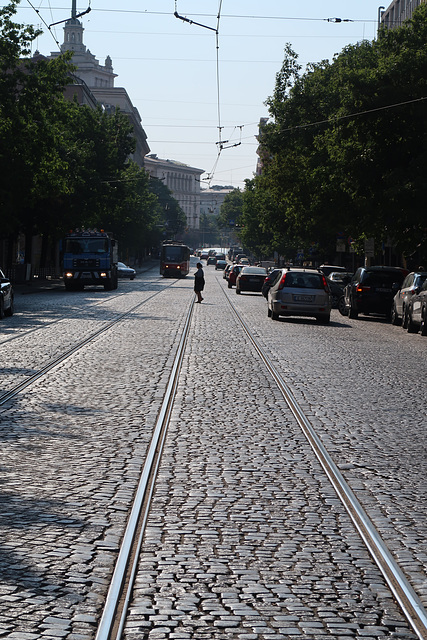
x=172 y=219
x=231 y=210
x=63 y=165
x=339 y=155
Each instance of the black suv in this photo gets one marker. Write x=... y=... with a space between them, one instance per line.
x=371 y=290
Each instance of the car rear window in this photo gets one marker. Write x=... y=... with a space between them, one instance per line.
x=256 y=270
x=375 y=279
x=304 y=280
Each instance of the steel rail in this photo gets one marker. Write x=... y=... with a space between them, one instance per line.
x=118 y=597
x=8 y=395
x=18 y=336
x=398 y=583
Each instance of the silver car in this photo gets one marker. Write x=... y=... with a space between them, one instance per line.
x=410 y=287
x=300 y=292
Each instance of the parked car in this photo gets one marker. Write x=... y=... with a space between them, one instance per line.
x=337 y=280
x=326 y=269
x=410 y=287
x=250 y=279
x=6 y=296
x=123 y=271
x=233 y=273
x=220 y=264
x=417 y=311
x=300 y=292
x=372 y=289
x=227 y=271
x=271 y=276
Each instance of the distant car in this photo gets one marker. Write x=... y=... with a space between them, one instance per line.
x=245 y=261
x=233 y=273
x=342 y=277
x=300 y=292
x=417 y=311
x=268 y=281
x=410 y=287
x=211 y=260
x=239 y=256
x=220 y=256
x=372 y=289
x=6 y=296
x=330 y=268
x=220 y=264
x=123 y=271
x=250 y=279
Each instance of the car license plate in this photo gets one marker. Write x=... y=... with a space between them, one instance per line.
x=86 y=274
x=303 y=298
x=383 y=290
x=253 y=280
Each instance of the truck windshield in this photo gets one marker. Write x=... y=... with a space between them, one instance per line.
x=86 y=245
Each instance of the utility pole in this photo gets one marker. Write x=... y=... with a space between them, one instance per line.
x=74 y=9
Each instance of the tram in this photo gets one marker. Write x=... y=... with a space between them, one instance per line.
x=174 y=259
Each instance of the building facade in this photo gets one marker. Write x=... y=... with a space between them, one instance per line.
x=211 y=200
x=183 y=181
x=99 y=79
x=399 y=11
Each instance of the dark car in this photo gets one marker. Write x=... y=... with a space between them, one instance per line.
x=123 y=271
x=268 y=281
x=6 y=296
x=337 y=280
x=327 y=269
x=220 y=264
x=417 y=311
x=211 y=260
x=371 y=290
x=410 y=287
x=233 y=273
x=250 y=279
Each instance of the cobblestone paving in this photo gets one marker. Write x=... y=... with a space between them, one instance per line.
x=246 y=539
x=52 y=324
x=72 y=448
x=361 y=386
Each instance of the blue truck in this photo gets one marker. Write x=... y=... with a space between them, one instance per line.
x=89 y=257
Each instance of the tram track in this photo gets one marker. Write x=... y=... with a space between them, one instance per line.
x=24 y=334
x=21 y=386
x=114 y=615
x=398 y=583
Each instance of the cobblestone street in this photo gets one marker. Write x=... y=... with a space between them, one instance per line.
x=246 y=538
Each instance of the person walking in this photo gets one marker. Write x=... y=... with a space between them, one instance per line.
x=199 y=282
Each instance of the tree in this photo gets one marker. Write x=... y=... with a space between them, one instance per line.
x=339 y=156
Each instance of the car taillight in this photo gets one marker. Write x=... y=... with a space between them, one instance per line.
x=361 y=289
x=325 y=283
x=282 y=281
x=243 y=277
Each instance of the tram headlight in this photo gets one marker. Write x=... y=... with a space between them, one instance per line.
x=69 y=274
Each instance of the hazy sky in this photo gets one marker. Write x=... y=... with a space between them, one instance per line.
x=169 y=67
